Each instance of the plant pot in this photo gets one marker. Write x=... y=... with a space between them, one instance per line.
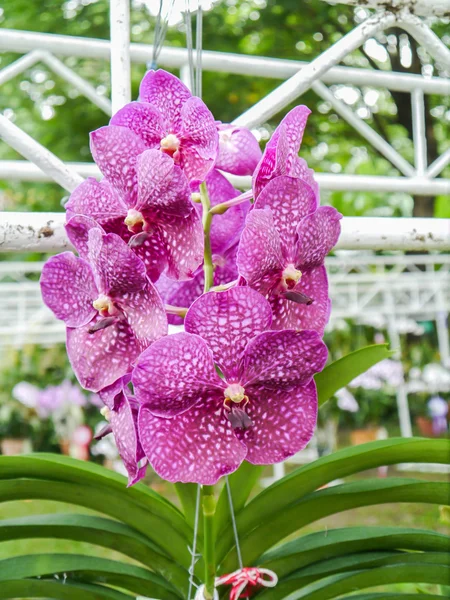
x=425 y=426
x=13 y=446
x=362 y=436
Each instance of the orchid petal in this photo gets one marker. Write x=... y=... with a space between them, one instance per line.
x=68 y=289
x=77 y=229
x=226 y=321
x=167 y=94
x=317 y=234
x=96 y=199
x=239 y=151
x=145 y=313
x=198 y=129
x=142 y=118
x=183 y=240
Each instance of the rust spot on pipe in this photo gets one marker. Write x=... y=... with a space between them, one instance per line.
x=46 y=231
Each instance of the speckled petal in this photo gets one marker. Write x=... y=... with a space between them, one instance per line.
x=145 y=314
x=77 y=229
x=124 y=427
x=198 y=128
x=99 y=359
x=183 y=239
x=142 y=118
x=115 y=150
x=180 y=293
x=153 y=254
x=117 y=269
x=281 y=359
x=112 y=394
x=239 y=151
x=259 y=259
x=283 y=422
x=225 y=229
x=227 y=321
x=96 y=199
x=161 y=184
x=194 y=166
x=174 y=373
x=198 y=446
x=289 y=199
x=290 y=315
x=167 y=94
x=68 y=289
x=301 y=170
x=317 y=233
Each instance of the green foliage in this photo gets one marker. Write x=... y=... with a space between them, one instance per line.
x=153 y=535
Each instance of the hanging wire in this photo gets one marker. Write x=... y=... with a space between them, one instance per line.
x=189 y=43
x=194 y=545
x=233 y=522
x=161 y=26
x=198 y=44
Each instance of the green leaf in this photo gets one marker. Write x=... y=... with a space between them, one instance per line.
x=333 y=543
x=352 y=563
x=242 y=482
x=341 y=372
x=346 y=583
x=100 y=532
x=330 y=501
x=69 y=590
x=118 y=506
x=88 y=569
x=291 y=488
x=187 y=493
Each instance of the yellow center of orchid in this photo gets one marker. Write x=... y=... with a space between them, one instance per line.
x=291 y=276
x=134 y=221
x=105 y=306
x=170 y=144
x=106 y=413
x=235 y=393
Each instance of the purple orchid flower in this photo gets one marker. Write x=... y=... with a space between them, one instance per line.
x=282 y=251
x=225 y=233
x=280 y=155
x=195 y=426
x=110 y=307
x=167 y=117
x=153 y=211
x=239 y=151
x=121 y=412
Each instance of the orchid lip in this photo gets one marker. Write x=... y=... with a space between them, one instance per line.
x=105 y=306
x=134 y=221
x=170 y=144
x=291 y=276
x=235 y=392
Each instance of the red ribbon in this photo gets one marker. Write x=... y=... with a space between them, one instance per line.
x=246 y=580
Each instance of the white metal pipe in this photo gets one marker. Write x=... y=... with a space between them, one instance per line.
x=77 y=81
x=44 y=232
x=13 y=40
x=438 y=165
x=419 y=133
x=425 y=8
x=426 y=38
x=120 y=53
x=294 y=87
x=40 y=156
x=17 y=170
x=364 y=129
x=19 y=66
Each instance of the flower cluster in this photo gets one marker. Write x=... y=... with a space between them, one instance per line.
x=237 y=383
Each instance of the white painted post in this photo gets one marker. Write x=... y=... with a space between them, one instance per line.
x=120 y=53
x=419 y=133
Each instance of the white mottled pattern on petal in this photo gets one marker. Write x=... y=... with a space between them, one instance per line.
x=183 y=239
x=225 y=229
x=281 y=359
x=227 y=321
x=144 y=119
x=167 y=94
x=117 y=268
x=115 y=150
x=153 y=254
x=99 y=359
x=259 y=259
x=198 y=129
x=317 y=233
x=239 y=151
x=290 y=315
x=198 y=446
x=68 y=288
x=194 y=166
x=174 y=373
x=301 y=170
x=289 y=199
x=124 y=426
x=77 y=229
x=96 y=199
x=112 y=394
x=145 y=313
x=161 y=184
x=283 y=422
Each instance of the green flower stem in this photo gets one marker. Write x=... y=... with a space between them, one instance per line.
x=209 y=509
x=207 y=217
